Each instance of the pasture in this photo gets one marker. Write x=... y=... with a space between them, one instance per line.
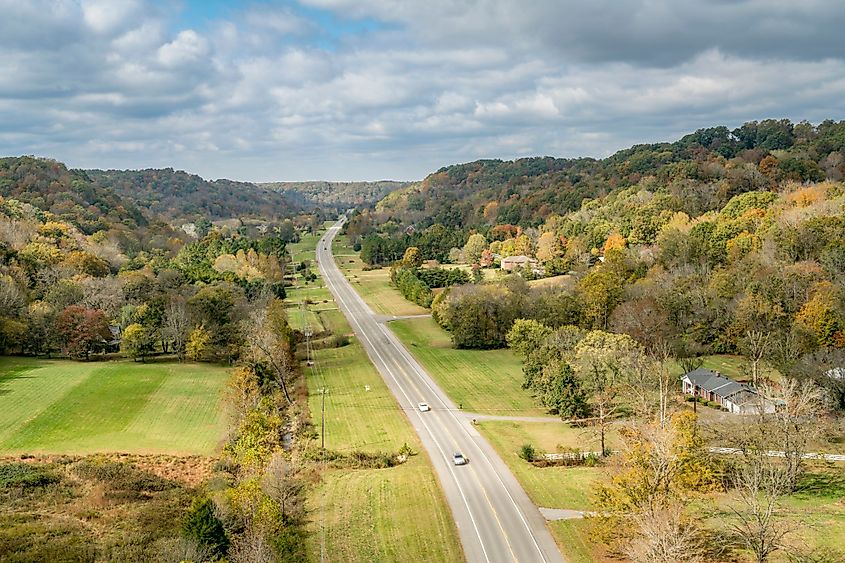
x=373 y=285
x=66 y=407
x=484 y=381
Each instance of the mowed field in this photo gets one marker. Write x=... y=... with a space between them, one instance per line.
x=66 y=407
x=483 y=381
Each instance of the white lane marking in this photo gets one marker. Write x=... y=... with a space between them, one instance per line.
x=424 y=423
x=424 y=378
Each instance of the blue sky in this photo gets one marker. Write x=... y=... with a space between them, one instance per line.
x=371 y=89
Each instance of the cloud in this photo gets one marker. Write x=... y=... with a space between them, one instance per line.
x=308 y=91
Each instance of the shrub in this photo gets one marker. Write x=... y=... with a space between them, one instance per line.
x=25 y=475
x=203 y=527
x=592 y=460
x=527 y=452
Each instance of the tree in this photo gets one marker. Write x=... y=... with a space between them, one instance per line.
x=268 y=335
x=548 y=247
x=759 y=483
x=137 y=341
x=284 y=483
x=198 y=343
x=796 y=421
x=756 y=344
x=175 y=326
x=601 y=291
x=412 y=258
x=526 y=335
x=82 y=330
x=602 y=362
x=202 y=526
x=473 y=248
x=641 y=509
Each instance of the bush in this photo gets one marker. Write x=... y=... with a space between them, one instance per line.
x=25 y=475
x=340 y=340
x=203 y=527
x=527 y=452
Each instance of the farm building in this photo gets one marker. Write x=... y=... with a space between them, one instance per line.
x=715 y=387
x=520 y=261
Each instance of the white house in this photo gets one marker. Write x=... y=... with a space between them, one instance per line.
x=715 y=387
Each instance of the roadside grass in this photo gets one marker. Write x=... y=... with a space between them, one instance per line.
x=571 y=536
x=373 y=285
x=395 y=514
x=334 y=321
x=306 y=248
x=298 y=318
x=361 y=413
x=483 y=381
x=550 y=487
x=60 y=406
x=372 y=514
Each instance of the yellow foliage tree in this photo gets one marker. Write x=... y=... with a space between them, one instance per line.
x=614 y=242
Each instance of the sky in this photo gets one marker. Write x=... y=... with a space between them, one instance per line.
x=392 y=89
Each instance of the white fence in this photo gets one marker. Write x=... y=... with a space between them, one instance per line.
x=772 y=453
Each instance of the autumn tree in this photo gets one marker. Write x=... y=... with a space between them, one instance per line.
x=137 y=341
x=197 y=345
x=526 y=335
x=759 y=484
x=82 y=330
x=642 y=508
x=267 y=332
x=412 y=257
x=603 y=362
x=600 y=291
x=473 y=248
x=795 y=422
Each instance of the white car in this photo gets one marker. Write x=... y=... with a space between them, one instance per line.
x=459 y=459
x=423 y=407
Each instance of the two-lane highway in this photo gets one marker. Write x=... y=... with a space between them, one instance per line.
x=496 y=520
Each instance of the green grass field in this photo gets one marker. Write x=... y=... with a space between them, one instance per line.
x=484 y=381
x=374 y=285
x=60 y=406
x=395 y=514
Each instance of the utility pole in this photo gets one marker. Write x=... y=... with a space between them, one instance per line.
x=323 y=418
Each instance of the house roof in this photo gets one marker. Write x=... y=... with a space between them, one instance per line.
x=715 y=382
x=521 y=258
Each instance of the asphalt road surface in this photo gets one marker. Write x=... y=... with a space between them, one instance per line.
x=496 y=520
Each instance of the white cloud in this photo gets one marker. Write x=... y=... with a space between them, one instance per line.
x=104 y=16
x=187 y=48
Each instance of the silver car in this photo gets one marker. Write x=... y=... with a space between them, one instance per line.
x=459 y=459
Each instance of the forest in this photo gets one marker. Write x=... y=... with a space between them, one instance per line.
x=724 y=242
